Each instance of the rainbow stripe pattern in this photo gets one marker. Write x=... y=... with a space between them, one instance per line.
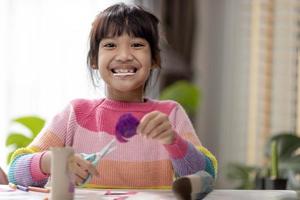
x=88 y=125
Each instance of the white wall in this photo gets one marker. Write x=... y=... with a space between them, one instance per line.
x=43 y=57
x=221 y=67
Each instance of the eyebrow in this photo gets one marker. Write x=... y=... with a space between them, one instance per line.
x=112 y=38
x=105 y=38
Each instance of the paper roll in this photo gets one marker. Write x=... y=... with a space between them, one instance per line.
x=62 y=185
x=193 y=187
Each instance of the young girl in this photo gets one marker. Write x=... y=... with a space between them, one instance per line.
x=124 y=49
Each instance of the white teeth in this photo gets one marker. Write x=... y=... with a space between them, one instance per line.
x=123 y=74
x=124 y=70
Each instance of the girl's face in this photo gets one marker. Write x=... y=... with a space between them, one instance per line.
x=124 y=64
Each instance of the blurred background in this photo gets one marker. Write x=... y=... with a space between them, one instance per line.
x=241 y=56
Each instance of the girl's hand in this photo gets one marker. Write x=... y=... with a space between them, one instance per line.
x=81 y=168
x=156 y=125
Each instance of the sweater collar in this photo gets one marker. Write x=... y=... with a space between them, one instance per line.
x=147 y=105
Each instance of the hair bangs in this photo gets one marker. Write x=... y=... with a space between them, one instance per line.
x=119 y=19
x=116 y=26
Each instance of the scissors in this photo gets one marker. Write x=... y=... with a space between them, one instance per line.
x=96 y=157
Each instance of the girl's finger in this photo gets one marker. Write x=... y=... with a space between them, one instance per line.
x=145 y=120
x=87 y=166
x=152 y=125
x=79 y=171
x=78 y=180
x=167 y=137
x=81 y=167
x=161 y=129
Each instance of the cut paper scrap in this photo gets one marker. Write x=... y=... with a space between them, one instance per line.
x=109 y=192
x=126 y=127
x=99 y=194
x=121 y=198
x=7 y=190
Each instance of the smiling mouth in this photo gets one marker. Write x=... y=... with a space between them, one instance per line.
x=124 y=72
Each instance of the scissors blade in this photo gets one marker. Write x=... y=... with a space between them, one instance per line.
x=106 y=149
x=111 y=146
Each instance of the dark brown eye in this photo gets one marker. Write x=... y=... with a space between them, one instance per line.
x=109 y=45
x=137 y=45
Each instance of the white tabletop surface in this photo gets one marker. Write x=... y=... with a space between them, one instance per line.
x=7 y=194
x=252 y=195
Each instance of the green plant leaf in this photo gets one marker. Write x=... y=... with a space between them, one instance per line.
x=33 y=123
x=287 y=144
x=242 y=175
x=292 y=163
x=185 y=93
x=9 y=156
x=17 y=139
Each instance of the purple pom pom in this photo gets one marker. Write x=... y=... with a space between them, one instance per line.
x=126 y=127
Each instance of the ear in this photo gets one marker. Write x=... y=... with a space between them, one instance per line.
x=154 y=64
x=93 y=63
x=93 y=66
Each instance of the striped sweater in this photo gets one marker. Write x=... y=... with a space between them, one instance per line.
x=88 y=125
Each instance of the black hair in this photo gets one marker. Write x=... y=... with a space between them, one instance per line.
x=118 y=19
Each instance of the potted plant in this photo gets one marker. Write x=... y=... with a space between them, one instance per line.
x=16 y=140
x=242 y=175
x=188 y=95
x=254 y=177
x=275 y=182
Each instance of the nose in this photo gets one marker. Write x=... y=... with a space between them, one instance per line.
x=124 y=54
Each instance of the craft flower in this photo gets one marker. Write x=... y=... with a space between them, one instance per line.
x=126 y=127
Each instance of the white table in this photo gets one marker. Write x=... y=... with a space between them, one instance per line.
x=80 y=194
x=253 y=195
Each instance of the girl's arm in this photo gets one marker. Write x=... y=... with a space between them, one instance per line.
x=178 y=136
x=25 y=168
x=188 y=159
x=186 y=152
x=30 y=166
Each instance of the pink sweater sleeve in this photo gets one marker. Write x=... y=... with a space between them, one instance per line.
x=186 y=158
x=25 y=169
x=35 y=167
